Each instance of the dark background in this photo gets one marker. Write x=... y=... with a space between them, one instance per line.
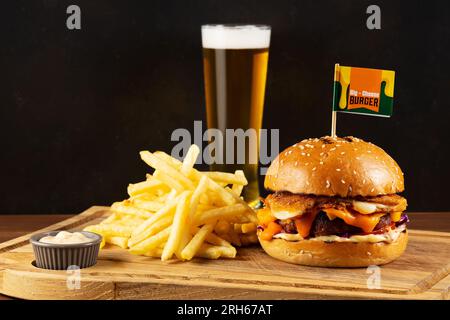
x=77 y=106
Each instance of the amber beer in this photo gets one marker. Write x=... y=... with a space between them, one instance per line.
x=235 y=67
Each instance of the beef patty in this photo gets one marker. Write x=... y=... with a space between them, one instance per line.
x=323 y=226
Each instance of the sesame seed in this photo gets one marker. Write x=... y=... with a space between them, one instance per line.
x=302 y=153
x=357 y=158
x=343 y=181
x=323 y=146
x=342 y=152
x=321 y=162
x=338 y=169
x=354 y=171
x=328 y=184
x=364 y=181
x=372 y=190
x=314 y=169
x=301 y=147
x=295 y=145
x=290 y=151
x=321 y=154
x=306 y=163
x=338 y=145
x=286 y=153
x=307 y=183
x=307 y=154
x=368 y=151
x=332 y=149
x=356 y=149
x=350 y=188
x=296 y=163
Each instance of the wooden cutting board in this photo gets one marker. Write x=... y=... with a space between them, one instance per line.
x=421 y=273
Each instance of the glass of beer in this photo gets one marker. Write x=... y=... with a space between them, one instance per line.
x=235 y=61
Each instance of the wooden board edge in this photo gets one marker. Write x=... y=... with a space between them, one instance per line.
x=428 y=233
x=87 y=215
x=28 y=285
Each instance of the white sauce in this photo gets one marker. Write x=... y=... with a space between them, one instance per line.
x=389 y=237
x=65 y=237
x=367 y=207
x=283 y=215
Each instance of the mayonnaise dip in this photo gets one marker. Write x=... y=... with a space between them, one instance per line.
x=64 y=237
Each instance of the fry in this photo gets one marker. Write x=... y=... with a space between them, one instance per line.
x=144 y=187
x=215 y=252
x=179 y=222
x=237 y=188
x=155 y=162
x=169 y=159
x=152 y=242
x=147 y=205
x=247 y=239
x=226 y=197
x=189 y=159
x=248 y=227
x=222 y=226
x=125 y=209
x=216 y=240
x=169 y=181
x=228 y=178
x=194 y=245
x=154 y=253
x=250 y=214
x=185 y=237
x=208 y=252
x=118 y=241
x=227 y=252
x=154 y=228
x=108 y=230
x=102 y=244
x=237 y=227
x=164 y=211
x=110 y=219
x=219 y=213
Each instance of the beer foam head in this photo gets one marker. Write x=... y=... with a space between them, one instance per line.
x=235 y=37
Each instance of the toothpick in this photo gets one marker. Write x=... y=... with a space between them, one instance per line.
x=334 y=113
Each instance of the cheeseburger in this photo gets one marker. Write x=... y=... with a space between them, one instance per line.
x=334 y=204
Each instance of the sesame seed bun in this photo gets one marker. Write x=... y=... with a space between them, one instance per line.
x=345 y=167
x=335 y=254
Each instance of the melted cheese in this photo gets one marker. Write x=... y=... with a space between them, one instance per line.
x=265 y=216
x=396 y=216
x=389 y=237
x=304 y=223
x=366 y=222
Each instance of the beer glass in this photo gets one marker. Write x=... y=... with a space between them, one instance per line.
x=235 y=61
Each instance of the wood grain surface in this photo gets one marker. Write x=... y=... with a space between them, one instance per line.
x=421 y=273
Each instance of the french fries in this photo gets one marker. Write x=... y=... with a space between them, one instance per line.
x=181 y=212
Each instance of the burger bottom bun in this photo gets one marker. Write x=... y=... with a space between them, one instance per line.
x=335 y=254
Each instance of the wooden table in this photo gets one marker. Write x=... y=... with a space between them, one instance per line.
x=13 y=226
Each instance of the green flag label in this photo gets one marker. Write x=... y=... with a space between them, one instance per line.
x=363 y=91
